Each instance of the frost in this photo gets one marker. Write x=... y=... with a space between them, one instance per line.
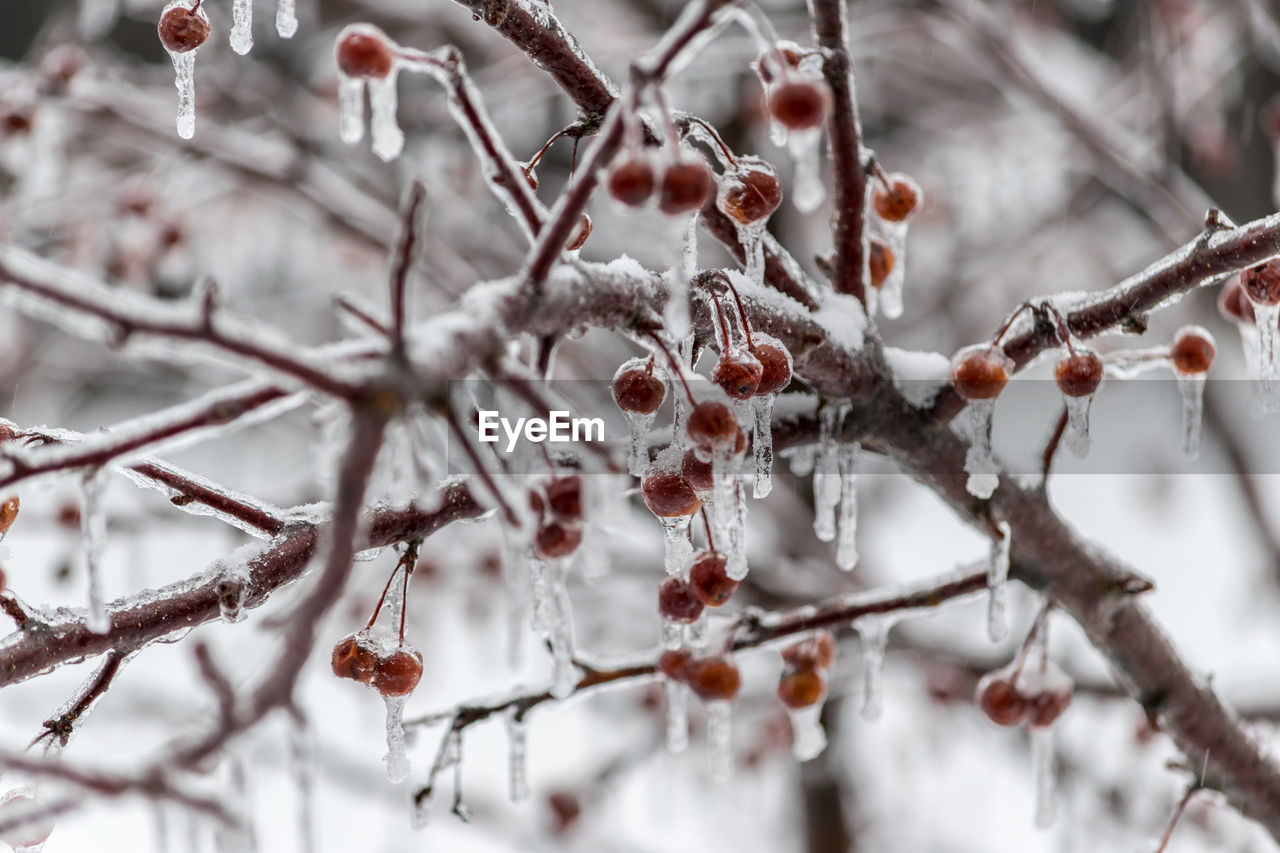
x=384 y=127
x=242 y=26
x=874 y=632
x=919 y=376
x=517 y=761
x=286 y=18
x=843 y=319
x=810 y=190
x=1191 y=390
x=847 y=523
x=397 y=757
x=93 y=530
x=1077 y=435
x=808 y=737
x=1042 y=759
x=677 y=696
x=997 y=576
x=720 y=739
x=979 y=461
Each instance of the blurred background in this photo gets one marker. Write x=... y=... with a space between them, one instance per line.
x=1062 y=145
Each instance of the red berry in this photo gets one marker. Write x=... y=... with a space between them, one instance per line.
x=799 y=104
x=710 y=582
x=801 y=687
x=637 y=389
x=631 y=181
x=980 y=372
x=899 y=201
x=697 y=473
x=677 y=602
x=1192 y=351
x=686 y=186
x=750 y=191
x=738 y=372
x=816 y=651
x=1234 y=305
x=880 y=262
x=183 y=30
x=1262 y=283
x=1078 y=374
x=714 y=679
x=8 y=514
x=1047 y=706
x=667 y=495
x=775 y=364
x=564 y=498
x=398 y=673
x=555 y=540
x=1001 y=700
x=364 y=51
x=351 y=659
x=673 y=662
x=579 y=238
x=712 y=426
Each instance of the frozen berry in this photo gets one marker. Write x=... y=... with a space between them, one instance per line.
x=579 y=238
x=1234 y=305
x=775 y=365
x=712 y=426
x=1262 y=283
x=667 y=495
x=750 y=191
x=555 y=540
x=1192 y=351
x=1078 y=374
x=801 y=687
x=183 y=30
x=714 y=679
x=686 y=186
x=880 y=262
x=1001 y=700
x=980 y=372
x=673 y=662
x=738 y=372
x=8 y=514
x=1047 y=706
x=637 y=389
x=353 y=660
x=696 y=472
x=799 y=104
x=709 y=579
x=564 y=498
x=631 y=181
x=899 y=200
x=677 y=602
x=365 y=52
x=816 y=651
x=398 y=673
x=766 y=64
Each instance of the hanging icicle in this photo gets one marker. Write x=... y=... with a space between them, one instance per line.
x=242 y=26
x=93 y=530
x=517 y=760
x=847 y=522
x=997 y=576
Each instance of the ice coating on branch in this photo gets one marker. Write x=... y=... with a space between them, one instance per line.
x=980 y=462
x=397 y=757
x=93 y=529
x=350 y=108
x=997 y=577
x=1191 y=391
x=677 y=700
x=1077 y=435
x=286 y=18
x=384 y=127
x=1042 y=760
x=720 y=739
x=847 y=522
x=242 y=26
x=805 y=147
x=808 y=737
x=517 y=752
x=184 y=67
x=232 y=587
x=874 y=632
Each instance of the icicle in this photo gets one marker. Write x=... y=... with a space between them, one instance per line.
x=1042 y=755
x=388 y=139
x=517 y=764
x=184 y=66
x=810 y=190
x=752 y=239
x=726 y=519
x=304 y=773
x=889 y=297
x=242 y=26
x=803 y=460
x=677 y=696
x=997 y=576
x=979 y=461
x=639 y=426
x=762 y=445
x=565 y=674
x=720 y=739
x=1077 y=436
x=847 y=525
x=286 y=18
x=1191 y=390
x=1267 y=387
x=826 y=491
x=808 y=737
x=516 y=582
x=92 y=536
x=695 y=633
x=679 y=551
x=397 y=757
x=874 y=632
x=675 y=315
x=736 y=565
x=350 y=108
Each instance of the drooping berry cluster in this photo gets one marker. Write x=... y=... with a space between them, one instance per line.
x=713 y=679
x=1036 y=695
x=804 y=679
x=392 y=667
x=558 y=511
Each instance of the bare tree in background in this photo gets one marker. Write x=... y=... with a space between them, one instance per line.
x=307 y=251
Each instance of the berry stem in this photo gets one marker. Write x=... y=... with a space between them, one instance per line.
x=1062 y=325
x=715 y=137
x=1008 y=323
x=724 y=323
x=742 y=312
x=668 y=124
x=1036 y=628
x=675 y=365
x=537 y=158
x=881 y=175
x=711 y=542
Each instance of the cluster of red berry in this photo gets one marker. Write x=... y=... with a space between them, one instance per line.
x=709 y=585
x=804 y=679
x=1013 y=695
x=358 y=657
x=558 y=509
x=713 y=679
